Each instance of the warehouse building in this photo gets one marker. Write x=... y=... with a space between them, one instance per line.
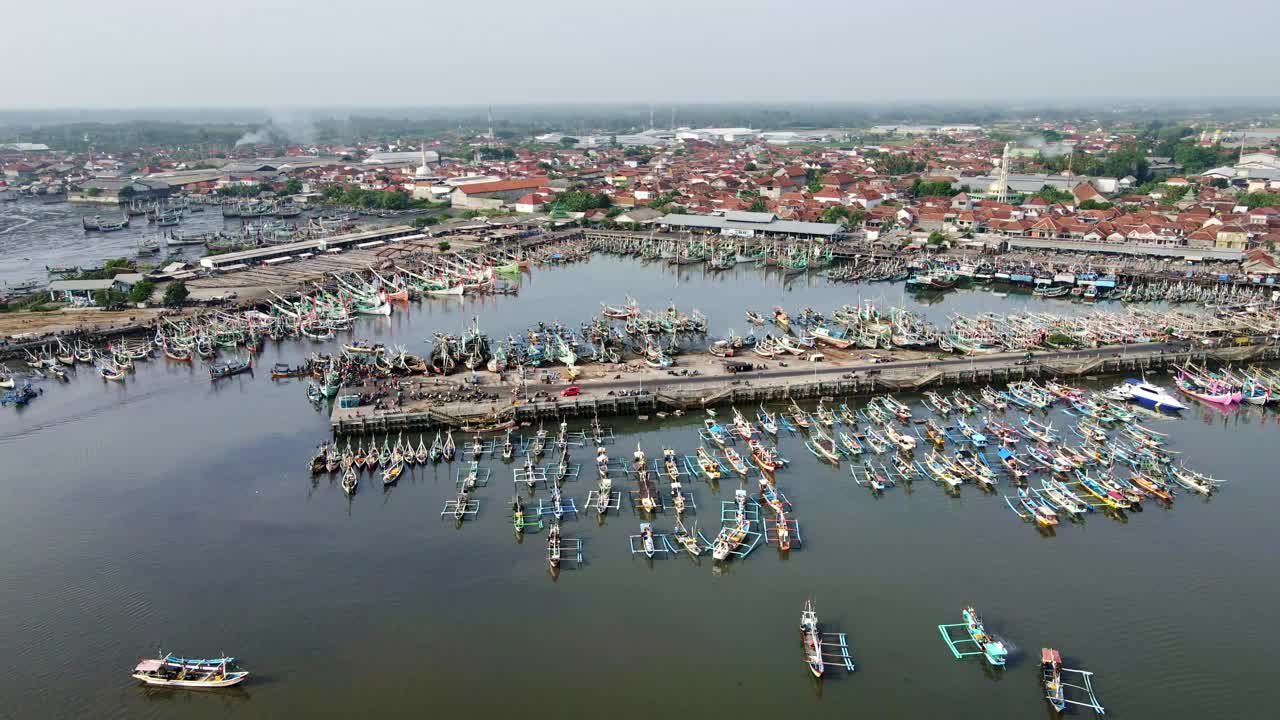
x=750 y=224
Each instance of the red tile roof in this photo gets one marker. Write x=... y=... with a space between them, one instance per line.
x=502 y=185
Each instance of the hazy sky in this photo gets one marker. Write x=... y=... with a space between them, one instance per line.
x=287 y=53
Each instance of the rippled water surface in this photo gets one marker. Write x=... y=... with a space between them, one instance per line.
x=172 y=512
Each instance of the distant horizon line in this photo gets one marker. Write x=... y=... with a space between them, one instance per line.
x=1125 y=100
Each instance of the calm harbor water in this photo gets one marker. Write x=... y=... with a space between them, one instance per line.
x=35 y=234
x=172 y=512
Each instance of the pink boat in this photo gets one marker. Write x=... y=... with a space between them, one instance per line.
x=1212 y=391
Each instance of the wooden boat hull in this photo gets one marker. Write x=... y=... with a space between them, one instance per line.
x=230 y=680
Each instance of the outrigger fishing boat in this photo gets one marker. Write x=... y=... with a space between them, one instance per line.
x=799 y=417
x=1051 y=674
x=707 y=464
x=174 y=672
x=735 y=461
x=819 y=647
x=823 y=448
x=669 y=465
x=986 y=644
x=688 y=541
x=767 y=422
x=1029 y=507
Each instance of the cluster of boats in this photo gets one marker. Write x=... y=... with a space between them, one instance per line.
x=260 y=208
x=1185 y=291
x=1118 y=464
x=390 y=459
x=1226 y=386
x=719 y=253
x=868 y=326
x=112 y=362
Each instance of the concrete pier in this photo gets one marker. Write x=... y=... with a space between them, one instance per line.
x=843 y=379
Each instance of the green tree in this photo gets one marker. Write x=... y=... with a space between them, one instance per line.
x=931 y=188
x=899 y=164
x=176 y=293
x=1195 y=158
x=1052 y=194
x=1092 y=204
x=568 y=142
x=758 y=205
x=443 y=246
x=580 y=201
x=750 y=166
x=141 y=291
x=834 y=214
x=856 y=216
x=936 y=238
x=1256 y=200
x=1171 y=194
x=1126 y=161
x=107 y=298
x=393 y=200
x=293 y=186
x=1080 y=163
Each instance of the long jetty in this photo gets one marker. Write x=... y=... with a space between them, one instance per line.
x=602 y=398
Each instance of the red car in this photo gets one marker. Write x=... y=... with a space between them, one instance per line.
x=570 y=391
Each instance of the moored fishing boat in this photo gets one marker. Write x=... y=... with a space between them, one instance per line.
x=218 y=371
x=1211 y=391
x=810 y=634
x=1146 y=394
x=707 y=464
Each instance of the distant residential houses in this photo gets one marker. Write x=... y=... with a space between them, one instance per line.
x=792 y=176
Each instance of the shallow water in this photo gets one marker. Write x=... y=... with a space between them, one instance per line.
x=173 y=512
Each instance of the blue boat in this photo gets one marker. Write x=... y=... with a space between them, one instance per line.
x=986 y=645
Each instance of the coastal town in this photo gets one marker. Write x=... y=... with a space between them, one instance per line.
x=1210 y=205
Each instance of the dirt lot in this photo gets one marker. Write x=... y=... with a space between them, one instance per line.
x=42 y=323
